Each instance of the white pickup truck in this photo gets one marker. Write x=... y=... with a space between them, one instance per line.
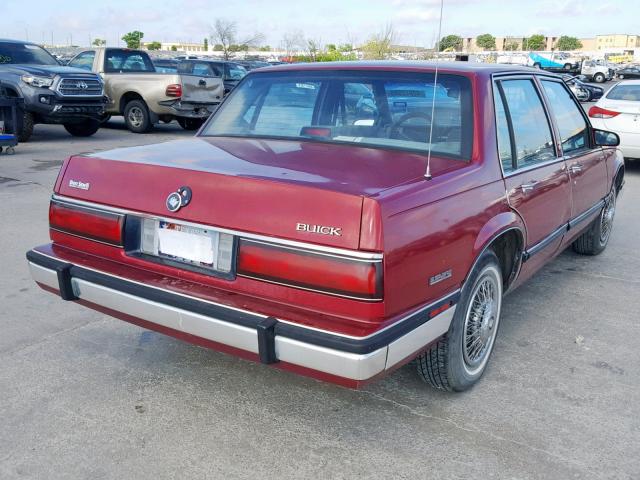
x=143 y=96
x=597 y=71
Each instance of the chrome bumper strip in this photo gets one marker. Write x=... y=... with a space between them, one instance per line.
x=341 y=356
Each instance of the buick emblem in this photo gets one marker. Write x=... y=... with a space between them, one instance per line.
x=82 y=85
x=177 y=200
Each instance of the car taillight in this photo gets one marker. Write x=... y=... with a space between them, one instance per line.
x=174 y=90
x=86 y=222
x=598 y=112
x=310 y=270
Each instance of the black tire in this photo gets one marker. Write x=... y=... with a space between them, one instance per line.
x=596 y=238
x=444 y=365
x=621 y=77
x=567 y=66
x=537 y=65
x=137 y=117
x=105 y=119
x=85 y=129
x=190 y=123
x=28 y=123
x=599 y=77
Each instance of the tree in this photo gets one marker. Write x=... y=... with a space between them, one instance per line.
x=225 y=33
x=568 y=43
x=205 y=44
x=534 y=42
x=265 y=48
x=98 y=42
x=380 y=45
x=486 y=41
x=312 y=49
x=346 y=47
x=511 y=46
x=154 y=46
x=174 y=48
x=331 y=47
x=132 y=39
x=293 y=41
x=450 y=42
x=218 y=47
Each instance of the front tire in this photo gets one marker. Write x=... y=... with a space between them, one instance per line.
x=458 y=360
x=599 y=78
x=596 y=238
x=85 y=129
x=28 y=123
x=137 y=117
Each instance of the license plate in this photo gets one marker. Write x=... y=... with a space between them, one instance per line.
x=187 y=244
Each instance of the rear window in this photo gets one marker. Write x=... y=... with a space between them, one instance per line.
x=625 y=92
x=127 y=61
x=379 y=109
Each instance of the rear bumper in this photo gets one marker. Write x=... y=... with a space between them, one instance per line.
x=346 y=360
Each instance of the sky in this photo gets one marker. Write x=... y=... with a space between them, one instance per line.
x=415 y=22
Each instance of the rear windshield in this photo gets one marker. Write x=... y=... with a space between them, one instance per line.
x=18 y=53
x=379 y=109
x=127 y=61
x=625 y=92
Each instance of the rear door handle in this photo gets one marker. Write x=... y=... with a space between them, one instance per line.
x=575 y=168
x=527 y=187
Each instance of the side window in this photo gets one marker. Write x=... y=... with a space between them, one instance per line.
x=532 y=133
x=504 y=138
x=83 y=60
x=571 y=123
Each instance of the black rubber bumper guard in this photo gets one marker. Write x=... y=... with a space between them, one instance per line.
x=266 y=328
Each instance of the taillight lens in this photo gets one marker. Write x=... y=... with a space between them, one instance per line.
x=310 y=270
x=86 y=222
x=598 y=112
x=174 y=90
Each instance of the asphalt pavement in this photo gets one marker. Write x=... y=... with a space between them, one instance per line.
x=86 y=396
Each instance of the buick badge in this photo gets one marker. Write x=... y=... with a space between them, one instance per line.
x=177 y=200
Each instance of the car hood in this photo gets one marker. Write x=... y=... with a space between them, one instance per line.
x=342 y=168
x=46 y=70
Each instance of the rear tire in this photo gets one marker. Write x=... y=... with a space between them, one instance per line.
x=567 y=66
x=28 y=123
x=137 y=117
x=458 y=360
x=85 y=129
x=599 y=78
x=621 y=77
x=190 y=123
x=595 y=239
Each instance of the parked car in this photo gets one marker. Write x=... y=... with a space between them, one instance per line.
x=559 y=62
x=583 y=91
x=597 y=71
x=230 y=72
x=253 y=64
x=619 y=112
x=628 y=72
x=144 y=96
x=294 y=232
x=51 y=93
x=165 y=65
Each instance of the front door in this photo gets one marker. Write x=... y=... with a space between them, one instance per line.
x=585 y=163
x=536 y=177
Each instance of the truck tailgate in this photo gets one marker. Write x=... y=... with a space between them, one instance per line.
x=197 y=89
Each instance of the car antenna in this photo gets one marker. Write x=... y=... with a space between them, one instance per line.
x=427 y=174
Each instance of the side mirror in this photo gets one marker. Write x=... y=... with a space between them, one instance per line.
x=606 y=139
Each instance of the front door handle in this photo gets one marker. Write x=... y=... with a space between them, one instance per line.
x=527 y=187
x=575 y=168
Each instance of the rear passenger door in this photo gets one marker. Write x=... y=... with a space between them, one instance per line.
x=585 y=162
x=536 y=178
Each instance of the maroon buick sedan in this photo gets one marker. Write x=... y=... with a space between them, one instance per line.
x=340 y=220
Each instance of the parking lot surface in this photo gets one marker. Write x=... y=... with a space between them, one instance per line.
x=83 y=395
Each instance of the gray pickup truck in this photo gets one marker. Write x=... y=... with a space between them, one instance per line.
x=144 y=96
x=51 y=93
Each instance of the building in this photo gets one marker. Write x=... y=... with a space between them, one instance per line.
x=617 y=41
x=178 y=46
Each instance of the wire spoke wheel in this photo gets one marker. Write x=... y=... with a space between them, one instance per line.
x=481 y=322
x=606 y=218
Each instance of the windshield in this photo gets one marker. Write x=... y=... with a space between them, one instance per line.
x=625 y=92
x=25 y=54
x=379 y=109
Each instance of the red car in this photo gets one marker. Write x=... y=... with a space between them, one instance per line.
x=334 y=236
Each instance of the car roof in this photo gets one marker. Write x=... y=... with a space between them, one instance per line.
x=394 y=65
x=627 y=82
x=17 y=42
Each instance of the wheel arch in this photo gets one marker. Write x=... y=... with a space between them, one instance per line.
x=505 y=234
x=127 y=97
